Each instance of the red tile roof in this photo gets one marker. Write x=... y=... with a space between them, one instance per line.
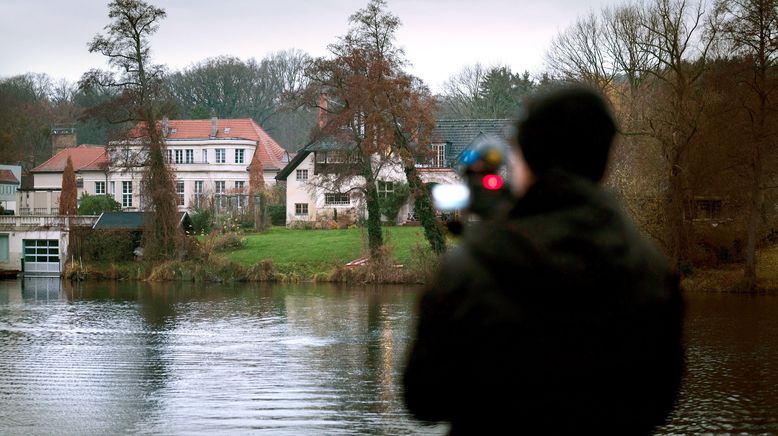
x=7 y=176
x=85 y=157
x=269 y=152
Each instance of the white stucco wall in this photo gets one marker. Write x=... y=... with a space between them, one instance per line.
x=298 y=191
x=312 y=191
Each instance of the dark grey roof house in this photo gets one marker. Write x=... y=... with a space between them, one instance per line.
x=459 y=135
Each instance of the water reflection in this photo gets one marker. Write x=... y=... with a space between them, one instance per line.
x=180 y=359
x=732 y=381
x=130 y=357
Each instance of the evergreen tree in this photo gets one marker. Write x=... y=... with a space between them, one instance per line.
x=69 y=195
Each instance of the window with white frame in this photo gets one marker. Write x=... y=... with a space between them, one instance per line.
x=189 y=156
x=220 y=155
x=198 y=192
x=127 y=194
x=385 y=188
x=239 y=156
x=302 y=174
x=239 y=184
x=169 y=156
x=439 y=155
x=301 y=209
x=205 y=155
x=41 y=250
x=99 y=188
x=336 y=199
x=179 y=156
x=219 y=187
x=180 y=193
x=113 y=189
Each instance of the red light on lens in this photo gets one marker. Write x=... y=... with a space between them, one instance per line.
x=492 y=182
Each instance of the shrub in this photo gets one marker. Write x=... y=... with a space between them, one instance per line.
x=303 y=225
x=227 y=241
x=391 y=204
x=97 y=204
x=277 y=214
x=107 y=245
x=424 y=261
x=262 y=271
x=380 y=269
x=202 y=221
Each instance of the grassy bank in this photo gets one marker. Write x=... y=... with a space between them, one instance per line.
x=282 y=254
x=315 y=251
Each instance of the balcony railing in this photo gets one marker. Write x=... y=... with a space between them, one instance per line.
x=63 y=221
x=184 y=162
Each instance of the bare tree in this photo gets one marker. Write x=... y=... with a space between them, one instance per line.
x=461 y=91
x=750 y=27
x=580 y=54
x=140 y=101
x=376 y=114
x=677 y=42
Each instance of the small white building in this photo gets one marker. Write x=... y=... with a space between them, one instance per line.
x=37 y=245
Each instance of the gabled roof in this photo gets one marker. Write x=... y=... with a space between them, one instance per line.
x=132 y=220
x=269 y=152
x=85 y=157
x=462 y=133
x=324 y=144
x=8 y=177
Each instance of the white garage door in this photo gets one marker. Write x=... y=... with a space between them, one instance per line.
x=41 y=256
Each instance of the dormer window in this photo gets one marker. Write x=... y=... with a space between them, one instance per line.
x=173 y=130
x=226 y=130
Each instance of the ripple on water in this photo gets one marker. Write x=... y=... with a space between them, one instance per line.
x=299 y=360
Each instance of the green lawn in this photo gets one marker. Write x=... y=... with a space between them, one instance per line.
x=319 y=250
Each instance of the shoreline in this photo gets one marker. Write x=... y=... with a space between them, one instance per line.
x=222 y=270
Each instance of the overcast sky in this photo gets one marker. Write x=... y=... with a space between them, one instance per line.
x=440 y=37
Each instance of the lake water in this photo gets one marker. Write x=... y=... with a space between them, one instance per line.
x=107 y=358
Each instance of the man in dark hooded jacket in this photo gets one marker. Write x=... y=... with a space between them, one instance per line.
x=559 y=317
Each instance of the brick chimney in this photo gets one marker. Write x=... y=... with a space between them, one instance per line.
x=214 y=124
x=62 y=138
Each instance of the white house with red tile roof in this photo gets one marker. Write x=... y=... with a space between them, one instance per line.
x=206 y=156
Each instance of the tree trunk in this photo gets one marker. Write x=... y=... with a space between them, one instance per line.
x=424 y=210
x=676 y=221
x=754 y=209
x=161 y=235
x=375 y=237
x=756 y=201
